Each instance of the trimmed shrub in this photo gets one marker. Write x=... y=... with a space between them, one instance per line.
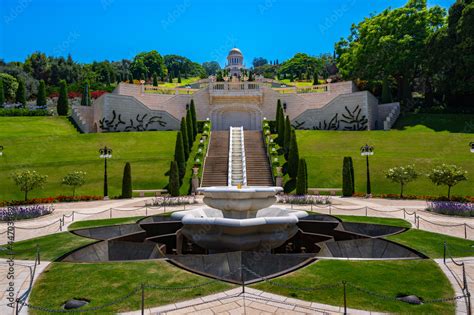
x=347 y=188
x=302 y=178
x=173 y=185
x=192 y=107
x=41 y=97
x=184 y=133
x=86 y=95
x=2 y=94
x=189 y=127
x=351 y=163
x=20 y=96
x=279 y=110
x=155 y=79
x=179 y=156
x=23 y=112
x=287 y=137
x=293 y=156
x=127 y=181
x=281 y=129
x=63 y=103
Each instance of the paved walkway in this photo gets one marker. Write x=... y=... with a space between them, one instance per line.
x=455 y=226
x=251 y=302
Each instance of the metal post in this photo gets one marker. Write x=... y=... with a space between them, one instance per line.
x=146 y=211
x=444 y=252
x=60 y=224
x=242 y=278
x=404 y=213
x=17 y=311
x=73 y=215
x=345 y=297
x=368 y=176
x=329 y=209
x=417 y=221
x=465 y=230
x=311 y=207
x=110 y=213
x=106 y=187
x=143 y=299
x=366 y=208
x=38 y=254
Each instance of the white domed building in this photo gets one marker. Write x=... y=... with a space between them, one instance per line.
x=235 y=62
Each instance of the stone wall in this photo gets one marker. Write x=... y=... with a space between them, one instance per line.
x=388 y=115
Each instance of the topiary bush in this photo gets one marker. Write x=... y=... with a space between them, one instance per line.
x=347 y=180
x=127 y=181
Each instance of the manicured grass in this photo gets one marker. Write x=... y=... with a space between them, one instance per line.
x=105 y=282
x=431 y=244
x=103 y=222
x=51 y=146
x=176 y=84
x=51 y=246
x=324 y=152
x=420 y=277
x=436 y=122
x=374 y=220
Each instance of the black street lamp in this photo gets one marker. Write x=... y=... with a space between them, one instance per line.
x=367 y=150
x=1 y=150
x=105 y=153
x=470 y=144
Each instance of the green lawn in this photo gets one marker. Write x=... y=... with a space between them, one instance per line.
x=51 y=146
x=374 y=220
x=51 y=246
x=176 y=84
x=431 y=244
x=436 y=122
x=105 y=282
x=103 y=222
x=390 y=278
x=324 y=152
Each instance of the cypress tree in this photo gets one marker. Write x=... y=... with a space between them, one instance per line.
x=351 y=166
x=193 y=114
x=86 y=95
x=155 y=79
x=189 y=126
x=184 y=133
x=302 y=178
x=277 y=116
x=179 y=156
x=287 y=137
x=293 y=156
x=179 y=78
x=41 y=97
x=173 y=184
x=386 y=94
x=130 y=78
x=127 y=181
x=2 y=94
x=347 y=189
x=281 y=130
x=21 y=93
x=170 y=78
x=63 y=103
x=315 y=78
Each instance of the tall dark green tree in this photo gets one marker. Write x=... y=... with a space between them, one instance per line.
x=127 y=181
x=315 y=79
x=63 y=102
x=2 y=94
x=155 y=79
x=184 y=133
x=130 y=78
x=281 y=130
x=41 y=97
x=86 y=95
x=173 y=184
x=189 y=127
x=351 y=165
x=287 y=137
x=192 y=107
x=386 y=93
x=21 y=93
x=179 y=156
x=293 y=156
x=347 y=182
x=302 y=178
x=279 y=110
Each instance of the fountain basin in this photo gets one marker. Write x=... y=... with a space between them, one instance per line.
x=208 y=228
x=240 y=203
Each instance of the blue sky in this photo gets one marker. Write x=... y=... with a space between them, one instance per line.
x=200 y=30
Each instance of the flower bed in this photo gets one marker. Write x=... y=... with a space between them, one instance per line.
x=14 y=213
x=304 y=200
x=50 y=200
x=171 y=201
x=418 y=197
x=465 y=209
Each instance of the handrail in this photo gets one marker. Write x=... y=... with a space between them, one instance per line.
x=229 y=167
x=205 y=158
x=244 y=160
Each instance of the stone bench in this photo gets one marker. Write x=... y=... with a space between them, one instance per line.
x=317 y=191
x=157 y=192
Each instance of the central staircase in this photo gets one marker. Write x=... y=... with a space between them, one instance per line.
x=257 y=167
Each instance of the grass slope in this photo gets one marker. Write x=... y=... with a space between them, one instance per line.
x=51 y=246
x=103 y=222
x=390 y=278
x=105 y=282
x=51 y=146
x=324 y=152
x=374 y=220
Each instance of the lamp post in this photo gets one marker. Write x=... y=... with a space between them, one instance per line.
x=1 y=150
x=470 y=144
x=105 y=153
x=367 y=150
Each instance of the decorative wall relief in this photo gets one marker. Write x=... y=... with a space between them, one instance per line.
x=140 y=123
x=351 y=120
